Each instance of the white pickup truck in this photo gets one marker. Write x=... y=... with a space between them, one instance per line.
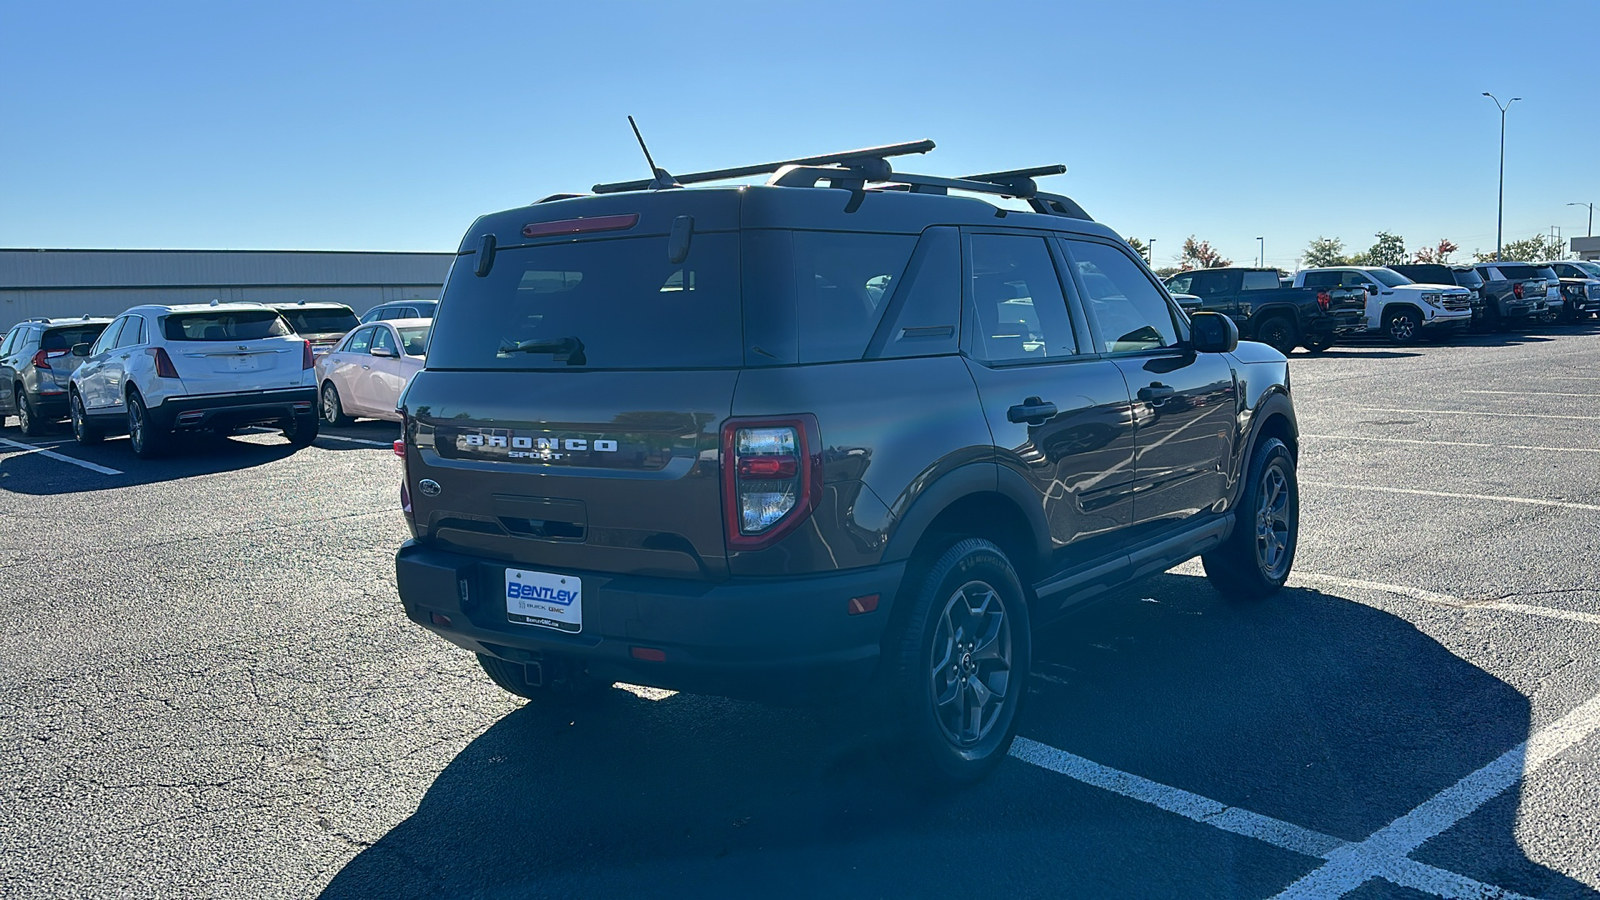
x=1401 y=308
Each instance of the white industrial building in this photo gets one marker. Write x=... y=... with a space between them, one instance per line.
x=62 y=283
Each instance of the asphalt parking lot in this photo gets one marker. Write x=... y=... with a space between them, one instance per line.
x=210 y=690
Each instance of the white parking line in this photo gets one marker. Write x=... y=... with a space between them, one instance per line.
x=1352 y=865
x=1470 y=412
x=1530 y=501
x=1549 y=612
x=1276 y=832
x=336 y=437
x=61 y=457
x=1351 y=437
x=1530 y=393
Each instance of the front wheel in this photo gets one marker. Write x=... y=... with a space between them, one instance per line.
x=960 y=664
x=1255 y=561
x=1403 y=326
x=85 y=432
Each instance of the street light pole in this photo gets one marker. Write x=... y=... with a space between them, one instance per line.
x=1151 y=246
x=1263 y=242
x=1500 y=218
x=1590 y=232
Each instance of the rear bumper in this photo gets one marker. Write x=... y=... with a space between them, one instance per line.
x=789 y=640
x=236 y=409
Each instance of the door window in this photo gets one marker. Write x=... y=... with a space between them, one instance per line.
x=361 y=341
x=108 y=338
x=1133 y=314
x=132 y=333
x=10 y=342
x=1015 y=307
x=383 y=339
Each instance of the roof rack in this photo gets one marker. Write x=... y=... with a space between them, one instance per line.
x=855 y=169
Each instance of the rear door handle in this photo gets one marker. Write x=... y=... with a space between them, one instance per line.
x=1156 y=391
x=1032 y=411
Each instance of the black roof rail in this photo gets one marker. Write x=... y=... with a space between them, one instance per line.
x=846 y=158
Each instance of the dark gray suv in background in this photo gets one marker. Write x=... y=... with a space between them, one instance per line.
x=843 y=435
x=36 y=362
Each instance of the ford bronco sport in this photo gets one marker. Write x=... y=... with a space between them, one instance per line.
x=791 y=442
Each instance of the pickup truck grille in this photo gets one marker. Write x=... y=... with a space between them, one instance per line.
x=1457 y=303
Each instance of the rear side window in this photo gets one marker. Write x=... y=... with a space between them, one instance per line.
x=238 y=325
x=924 y=315
x=1017 y=311
x=603 y=304
x=320 y=321
x=817 y=296
x=132 y=334
x=1320 y=279
x=65 y=338
x=1260 y=281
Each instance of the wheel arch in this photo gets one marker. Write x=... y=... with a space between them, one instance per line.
x=982 y=500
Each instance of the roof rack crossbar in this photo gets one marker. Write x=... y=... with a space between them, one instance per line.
x=844 y=158
x=1015 y=174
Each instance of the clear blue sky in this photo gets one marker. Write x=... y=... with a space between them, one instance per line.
x=391 y=126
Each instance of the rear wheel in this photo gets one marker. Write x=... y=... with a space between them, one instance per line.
x=332 y=408
x=27 y=420
x=82 y=429
x=1255 y=561
x=959 y=667
x=148 y=439
x=1279 y=333
x=1403 y=326
x=301 y=430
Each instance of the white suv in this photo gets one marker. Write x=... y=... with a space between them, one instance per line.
x=161 y=369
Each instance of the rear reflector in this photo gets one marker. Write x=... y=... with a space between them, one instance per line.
x=580 y=226
x=859 y=605
x=649 y=654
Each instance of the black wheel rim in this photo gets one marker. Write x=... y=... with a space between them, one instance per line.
x=1278 y=336
x=1273 y=526
x=970 y=672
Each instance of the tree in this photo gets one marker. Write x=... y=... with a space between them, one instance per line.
x=1439 y=254
x=1200 y=255
x=1326 y=252
x=1539 y=248
x=1389 y=250
x=1139 y=248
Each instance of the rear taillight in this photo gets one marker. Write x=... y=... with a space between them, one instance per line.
x=1323 y=299
x=405 y=475
x=164 y=366
x=772 y=478
x=1516 y=290
x=41 y=360
x=306 y=361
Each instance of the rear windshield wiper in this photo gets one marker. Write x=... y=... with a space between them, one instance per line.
x=567 y=349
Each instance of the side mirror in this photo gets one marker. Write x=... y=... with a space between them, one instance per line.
x=1371 y=288
x=80 y=349
x=384 y=352
x=1211 y=332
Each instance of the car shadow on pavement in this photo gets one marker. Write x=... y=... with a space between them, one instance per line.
x=1310 y=708
x=191 y=455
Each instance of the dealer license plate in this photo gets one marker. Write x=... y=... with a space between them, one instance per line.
x=545 y=600
x=241 y=364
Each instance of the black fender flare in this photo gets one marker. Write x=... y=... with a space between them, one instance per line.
x=970 y=479
x=1276 y=402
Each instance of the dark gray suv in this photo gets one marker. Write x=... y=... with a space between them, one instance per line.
x=36 y=362
x=796 y=442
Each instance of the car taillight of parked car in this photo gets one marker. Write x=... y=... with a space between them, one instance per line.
x=1516 y=290
x=306 y=358
x=1323 y=300
x=41 y=360
x=164 y=366
x=772 y=478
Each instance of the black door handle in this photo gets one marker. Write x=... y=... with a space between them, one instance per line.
x=1157 y=391
x=1033 y=411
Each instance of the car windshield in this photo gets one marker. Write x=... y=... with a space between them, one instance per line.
x=415 y=339
x=64 y=338
x=230 y=325
x=1389 y=277
x=320 y=321
x=1592 y=268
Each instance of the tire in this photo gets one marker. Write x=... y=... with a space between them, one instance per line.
x=966 y=637
x=1403 y=326
x=332 y=407
x=1255 y=561
x=28 y=421
x=85 y=432
x=146 y=438
x=302 y=430
x=1318 y=343
x=1279 y=333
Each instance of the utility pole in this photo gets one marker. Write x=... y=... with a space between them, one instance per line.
x=1590 y=231
x=1150 y=248
x=1500 y=219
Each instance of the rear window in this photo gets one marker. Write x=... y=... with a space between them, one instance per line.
x=1261 y=281
x=64 y=338
x=241 y=325
x=1467 y=278
x=602 y=304
x=1518 y=272
x=320 y=321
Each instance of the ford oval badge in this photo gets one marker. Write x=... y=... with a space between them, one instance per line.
x=430 y=488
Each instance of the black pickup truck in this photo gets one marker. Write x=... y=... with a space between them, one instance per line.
x=1266 y=311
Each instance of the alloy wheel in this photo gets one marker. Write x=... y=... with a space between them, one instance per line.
x=77 y=417
x=136 y=433
x=1272 y=522
x=330 y=405
x=22 y=414
x=971 y=666
x=1402 y=328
